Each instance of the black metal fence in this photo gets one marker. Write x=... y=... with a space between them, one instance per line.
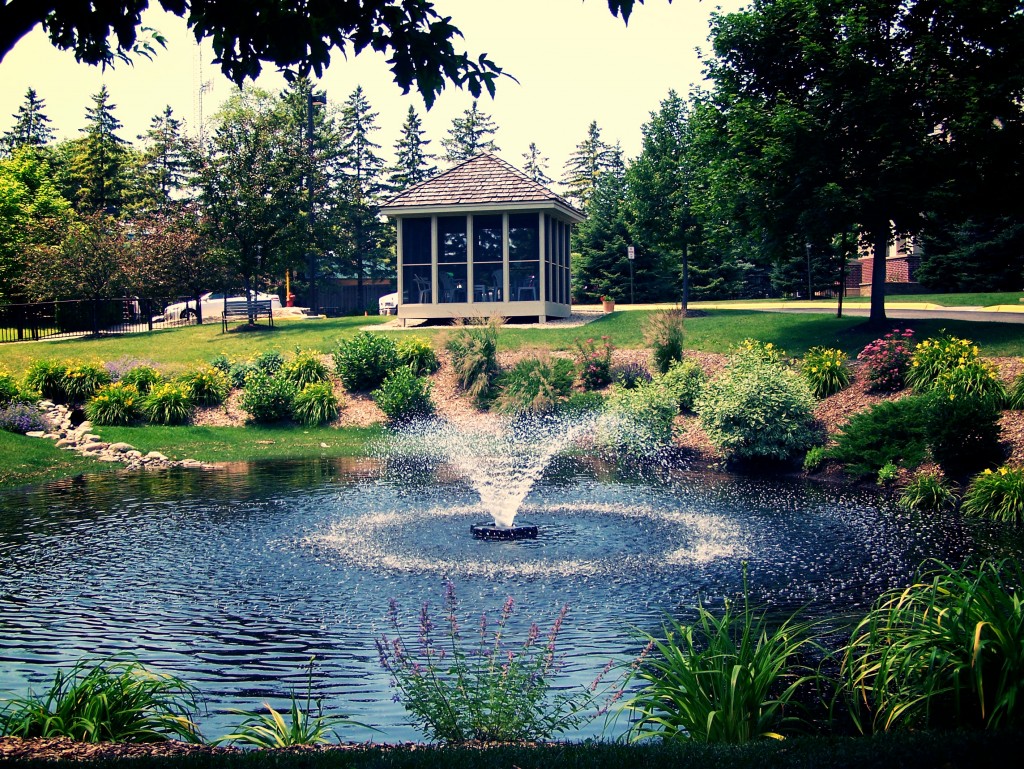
x=83 y=317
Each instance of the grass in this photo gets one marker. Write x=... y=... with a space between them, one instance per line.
x=29 y=461
x=908 y=751
x=239 y=444
x=990 y=299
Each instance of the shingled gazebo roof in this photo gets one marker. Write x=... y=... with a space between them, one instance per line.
x=483 y=181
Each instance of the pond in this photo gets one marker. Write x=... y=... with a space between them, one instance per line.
x=233 y=578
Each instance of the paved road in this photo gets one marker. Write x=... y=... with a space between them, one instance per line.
x=946 y=313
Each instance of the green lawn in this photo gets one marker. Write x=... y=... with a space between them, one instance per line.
x=240 y=444
x=28 y=461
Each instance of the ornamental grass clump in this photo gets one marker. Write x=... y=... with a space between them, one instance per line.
x=315 y=404
x=758 y=409
x=474 y=351
x=535 y=385
x=167 y=404
x=267 y=399
x=928 y=492
x=82 y=380
x=110 y=700
x=594 y=362
x=825 y=370
x=473 y=685
x=937 y=355
x=726 y=678
x=365 y=361
x=663 y=333
x=306 y=368
x=998 y=495
x=404 y=396
x=116 y=404
x=206 y=385
x=684 y=379
x=1015 y=394
x=418 y=355
x=886 y=360
x=945 y=652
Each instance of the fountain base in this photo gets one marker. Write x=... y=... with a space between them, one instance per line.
x=492 y=531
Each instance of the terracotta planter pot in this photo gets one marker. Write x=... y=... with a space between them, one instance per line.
x=608 y=304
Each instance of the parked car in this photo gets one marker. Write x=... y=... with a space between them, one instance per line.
x=388 y=304
x=212 y=305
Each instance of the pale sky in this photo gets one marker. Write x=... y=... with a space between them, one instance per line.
x=574 y=61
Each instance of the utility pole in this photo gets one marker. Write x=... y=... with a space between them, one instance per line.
x=319 y=100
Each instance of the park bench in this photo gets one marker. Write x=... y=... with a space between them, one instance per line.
x=239 y=308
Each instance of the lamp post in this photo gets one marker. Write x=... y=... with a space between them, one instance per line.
x=318 y=100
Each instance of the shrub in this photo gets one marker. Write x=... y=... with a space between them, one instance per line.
x=997 y=495
x=418 y=355
x=82 y=380
x=474 y=351
x=724 y=679
x=47 y=378
x=305 y=368
x=365 y=361
x=757 y=409
x=404 y=396
x=267 y=399
x=684 y=379
x=632 y=375
x=594 y=363
x=535 y=385
x=142 y=378
x=935 y=356
x=18 y=417
x=753 y=349
x=663 y=333
x=315 y=404
x=167 y=404
x=268 y=362
x=205 y=385
x=491 y=691
x=222 y=363
x=116 y=404
x=815 y=458
x=238 y=374
x=1015 y=395
x=886 y=360
x=890 y=431
x=888 y=473
x=106 y=701
x=9 y=389
x=962 y=432
x=640 y=419
x=825 y=371
x=927 y=493
x=973 y=379
x=948 y=651
x=583 y=403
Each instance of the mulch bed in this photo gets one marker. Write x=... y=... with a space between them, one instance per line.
x=64 y=749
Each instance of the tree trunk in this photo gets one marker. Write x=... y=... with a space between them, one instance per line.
x=880 y=235
x=199 y=309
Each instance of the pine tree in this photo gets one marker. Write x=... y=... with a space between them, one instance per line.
x=101 y=161
x=602 y=267
x=412 y=161
x=591 y=158
x=164 y=167
x=536 y=165
x=31 y=125
x=470 y=135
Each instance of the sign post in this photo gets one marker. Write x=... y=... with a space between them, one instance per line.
x=631 y=253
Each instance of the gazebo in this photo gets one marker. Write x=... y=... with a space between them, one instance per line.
x=482 y=239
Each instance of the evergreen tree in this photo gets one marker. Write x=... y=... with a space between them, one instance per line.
x=412 y=161
x=163 y=171
x=536 y=165
x=31 y=125
x=601 y=241
x=470 y=135
x=102 y=158
x=591 y=158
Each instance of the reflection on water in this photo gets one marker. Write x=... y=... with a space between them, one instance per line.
x=233 y=578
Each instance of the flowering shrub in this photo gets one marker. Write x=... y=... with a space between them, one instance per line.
x=933 y=357
x=266 y=398
x=594 y=362
x=305 y=368
x=486 y=690
x=972 y=379
x=825 y=371
x=684 y=379
x=763 y=351
x=115 y=404
x=206 y=385
x=21 y=418
x=886 y=360
x=142 y=377
x=418 y=355
x=998 y=495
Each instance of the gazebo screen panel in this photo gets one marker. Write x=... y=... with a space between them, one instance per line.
x=488 y=270
x=523 y=257
x=452 y=257
x=416 y=269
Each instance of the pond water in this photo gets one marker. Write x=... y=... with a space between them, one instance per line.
x=233 y=578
